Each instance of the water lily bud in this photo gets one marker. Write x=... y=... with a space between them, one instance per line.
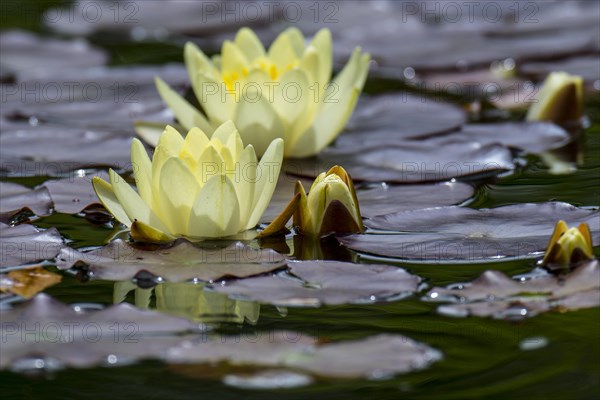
x=194 y=187
x=283 y=92
x=559 y=100
x=331 y=206
x=569 y=245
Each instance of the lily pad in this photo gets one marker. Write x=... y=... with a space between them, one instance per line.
x=152 y=21
x=452 y=234
x=59 y=336
x=494 y=294
x=53 y=151
x=313 y=283
x=23 y=244
x=588 y=67
x=375 y=357
x=73 y=194
x=389 y=117
x=181 y=262
x=14 y=197
x=530 y=137
x=24 y=51
x=433 y=160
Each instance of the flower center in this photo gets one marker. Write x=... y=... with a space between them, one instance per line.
x=264 y=64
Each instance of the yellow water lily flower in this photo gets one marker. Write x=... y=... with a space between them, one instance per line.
x=569 y=245
x=330 y=206
x=284 y=92
x=193 y=187
x=559 y=100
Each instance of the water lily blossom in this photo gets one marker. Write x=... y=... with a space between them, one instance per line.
x=330 y=206
x=283 y=92
x=560 y=99
x=194 y=187
x=569 y=245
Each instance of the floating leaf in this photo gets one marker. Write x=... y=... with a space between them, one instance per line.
x=60 y=336
x=531 y=137
x=23 y=244
x=24 y=51
x=435 y=159
x=313 y=283
x=53 y=151
x=375 y=357
x=494 y=294
x=15 y=197
x=587 y=67
x=180 y=262
x=452 y=234
x=28 y=282
x=73 y=194
x=387 y=118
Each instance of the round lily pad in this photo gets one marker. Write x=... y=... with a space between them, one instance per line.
x=458 y=234
x=313 y=283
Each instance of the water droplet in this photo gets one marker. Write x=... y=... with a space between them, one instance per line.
x=509 y=64
x=33 y=121
x=112 y=359
x=597 y=85
x=409 y=73
x=533 y=343
x=434 y=295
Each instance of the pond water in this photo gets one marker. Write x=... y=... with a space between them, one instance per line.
x=555 y=354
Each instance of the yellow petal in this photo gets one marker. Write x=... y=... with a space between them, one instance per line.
x=282 y=51
x=186 y=114
x=141 y=232
x=225 y=131
x=560 y=99
x=194 y=145
x=216 y=211
x=267 y=175
x=232 y=58
x=296 y=39
x=178 y=191
x=217 y=100
x=559 y=229
x=109 y=200
x=279 y=222
x=149 y=131
x=142 y=170
x=292 y=96
x=196 y=61
x=323 y=43
x=249 y=43
x=211 y=164
x=171 y=140
x=133 y=204
x=244 y=181
x=258 y=123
